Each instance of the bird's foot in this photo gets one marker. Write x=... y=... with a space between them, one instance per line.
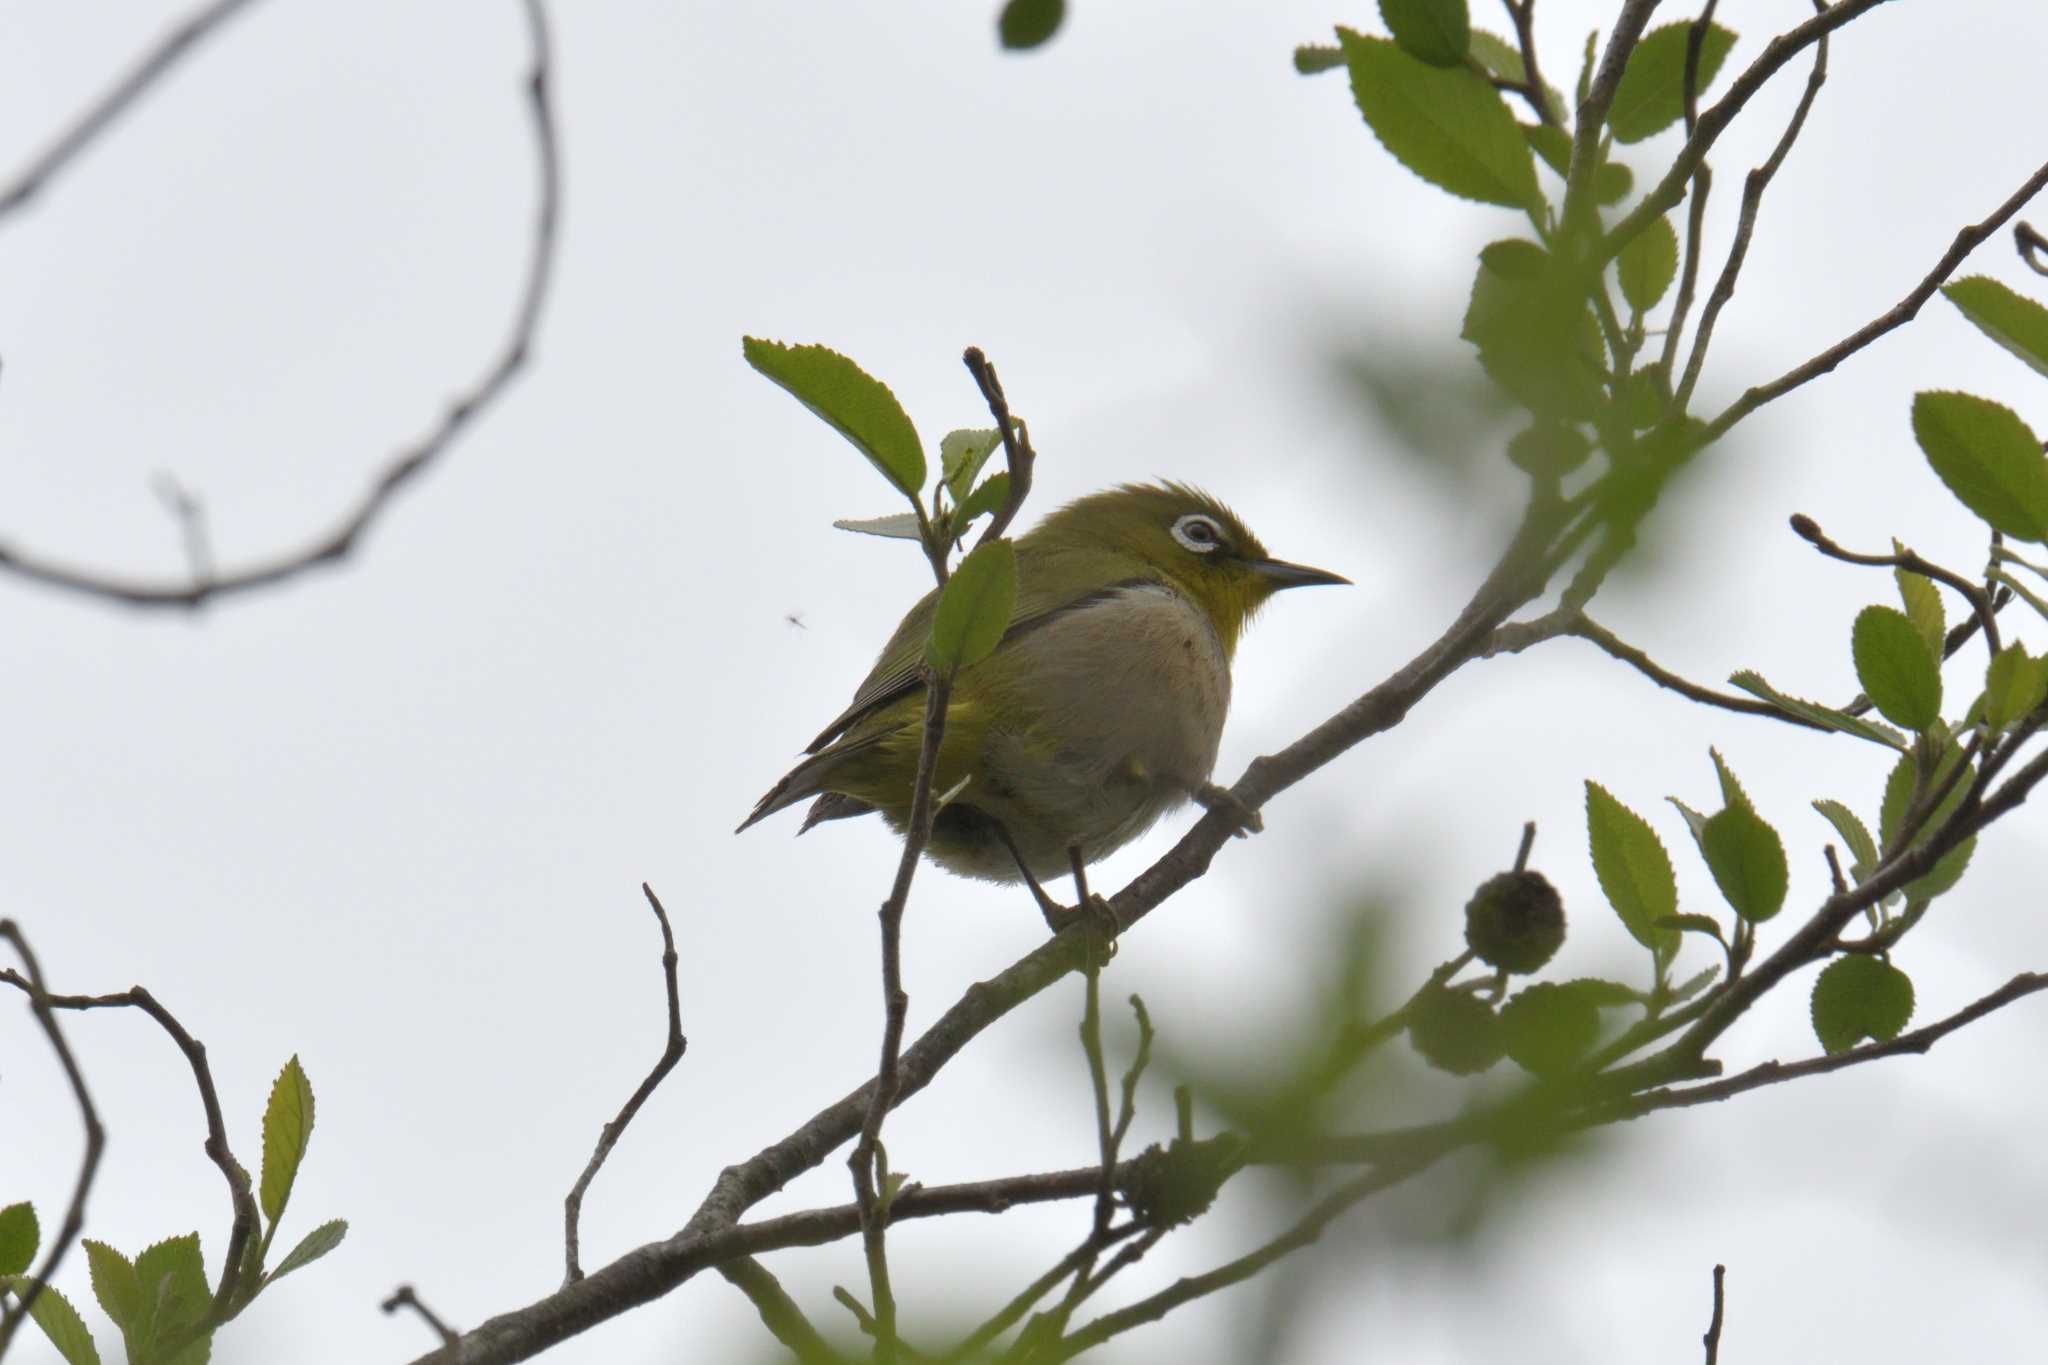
x=1221 y=800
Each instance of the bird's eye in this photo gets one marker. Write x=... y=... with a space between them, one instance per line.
x=1198 y=533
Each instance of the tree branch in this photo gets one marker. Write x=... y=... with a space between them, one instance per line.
x=340 y=541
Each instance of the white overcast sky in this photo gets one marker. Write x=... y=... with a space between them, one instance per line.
x=393 y=817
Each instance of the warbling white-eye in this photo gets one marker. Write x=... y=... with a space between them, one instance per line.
x=1099 y=711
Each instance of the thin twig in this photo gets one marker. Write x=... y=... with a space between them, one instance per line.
x=1712 y=1339
x=404 y=1297
x=673 y=1047
x=1578 y=216
x=1017 y=451
x=510 y=360
x=229 y=1298
x=1523 y=15
x=1753 y=187
x=1809 y=530
x=12 y=1313
x=1892 y=318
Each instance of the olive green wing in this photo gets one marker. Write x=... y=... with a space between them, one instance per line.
x=896 y=672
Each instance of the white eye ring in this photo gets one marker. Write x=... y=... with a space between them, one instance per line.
x=1198 y=533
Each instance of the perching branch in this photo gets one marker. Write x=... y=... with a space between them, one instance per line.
x=673 y=1047
x=510 y=361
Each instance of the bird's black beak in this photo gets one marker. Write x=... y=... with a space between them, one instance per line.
x=1285 y=575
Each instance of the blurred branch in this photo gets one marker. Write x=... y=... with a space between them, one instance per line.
x=404 y=1297
x=39 y=1003
x=107 y=110
x=779 y=1312
x=511 y=359
x=1578 y=211
x=672 y=1051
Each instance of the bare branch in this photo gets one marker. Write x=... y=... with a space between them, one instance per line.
x=1753 y=187
x=673 y=1047
x=1712 y=1339
x=512 y=357
x=1016 y=436
x=780 y=1314
x=12 y=1313
x=104 y=112
x=404 y=1297
x=1892 y=318
x=1628 y=28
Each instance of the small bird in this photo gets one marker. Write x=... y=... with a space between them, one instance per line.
x=1099 y=711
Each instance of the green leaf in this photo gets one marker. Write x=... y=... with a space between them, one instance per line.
x=60 y=1322
x=2013 y=685
x=1611 y=182
x=1585 y=86
x=1922 y=601
x=962 y=454
x=1651 y=96
x=1605 y=995
x=974 y=609
x=1747 y=859
x=983 y=501
x=1554 y=145
x=1692 y=985
x=1862 y=850
x=1694 y=820
x=854 y=404
x=311 y=1248
x=1647 y=264
x=1549 y=1026
x=894 y=526
x=1693 y=924
x=20 y=1235
x=1898 y=793
x=115 y=1286
x=1448 y=125
x=1455 y=1031
x=1860 y=997
x=172 y=1276
x=1312 y=58
x=1988 y=458
x=2012 y=320
x=1026 y=24
x=287 y=1128
x=1633 y=869
x=1895 y=667
x=1497 y=55
x=1549 y=449
x=1536 y=334
x=1435 y=31
x=1753 y=683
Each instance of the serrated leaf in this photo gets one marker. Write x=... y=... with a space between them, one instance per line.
x=974 y=608
x=1895 y=667
x=172 y=1277
x=114 y=1285
x=1435 y=31
x=20 y=1235
x=1553 y=145
x=986 y=500
x=1311 y=58
x=1495 y=53
x=1860 y=997
x=849 y=400
x=60 y=1322
x=2012 y=320
x=1862 y=849
x=1695 y=821
x=1754 y=684
x=1732 y=793
x=1548 y=1027
x=1537 y=336
x=1692 y=985
x=1448 y=125
x=1898 y=794
x=1633 y=869
x=287 y=1129
x=1025 y=24
x=311 y=1248
x=1747 y=859
x=2013 y=686
x=1922 y=601
x=895 y=526
x=1611 y=182
x=1647 y=264
x=962 y=454
x=1988 y=457
x=1606 y=995
x=1651 y=96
